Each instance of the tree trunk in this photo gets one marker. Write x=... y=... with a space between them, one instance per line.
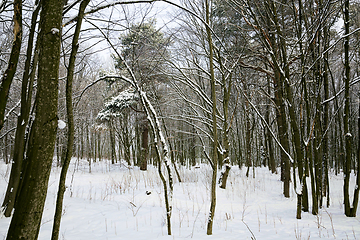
x=172 y=155
x=9 y=73
x=70 y=117
x=349 y=212
x=279 y=95
x=112 y=142
x=248 y=155
x=144 y=146
x=23 y=119
x=214 y=123
x=25 y=223
x=357 y=189
x=347 y=165
x=268 y=138
x=226 y=128
x=304 y=200
x=325 y=142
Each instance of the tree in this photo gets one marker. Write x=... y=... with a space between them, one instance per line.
x=160 y=144
x=270 y=25
x=23 y=119
x=9 y=73
x=144 y=47
x=213 y=118
x=70 y=117
x=26 y=220
x=349 y=211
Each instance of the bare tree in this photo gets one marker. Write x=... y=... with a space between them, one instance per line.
x=23 y=119
x=70 y=118
x=9 y=73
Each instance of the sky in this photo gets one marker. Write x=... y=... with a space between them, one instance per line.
x=162 y=12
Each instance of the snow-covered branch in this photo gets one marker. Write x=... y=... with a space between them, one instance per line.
x=114 y=107
x=267 y=126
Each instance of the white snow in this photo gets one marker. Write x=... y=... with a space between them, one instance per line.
x=61 y=124
x=55 y=31
x=111 y=203
x=306 y=142
x=348 y=135
x=118 y=103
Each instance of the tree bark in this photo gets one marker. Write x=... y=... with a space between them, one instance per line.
x=214 y=123
x=357 y=189
x=226 y=127
x=23 y=119
x=144 y=146
x=279 y=80
x=348 y=137
x=112 y=141
x=325 y=142
x=9 y=73
x=248 y=133
x=26 y=96
x=25 y=223
x=70 y=117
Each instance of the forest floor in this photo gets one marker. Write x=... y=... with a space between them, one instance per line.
x=110 y=202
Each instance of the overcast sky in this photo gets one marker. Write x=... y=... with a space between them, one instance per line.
x=162 y=12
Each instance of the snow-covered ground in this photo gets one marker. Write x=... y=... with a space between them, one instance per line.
x=111 y=203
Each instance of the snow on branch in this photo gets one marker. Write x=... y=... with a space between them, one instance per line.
x=117 y=104
x=353 y=82
x=12 y=110
x=104 y=78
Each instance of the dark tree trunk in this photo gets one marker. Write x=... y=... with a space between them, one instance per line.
x=70 y=117
x=325 y=142
x=210 y=220
x=357 y=189
x=144 y=146
x=279 y=95
x=23 y=119
x=25 y=223
x=348 y=136
x=247 y=135
x=112 y=142
x=349 y=211
x=225 y=134
x=9 y=73
x=268 y=138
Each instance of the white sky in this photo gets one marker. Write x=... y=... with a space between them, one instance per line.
x=162 y=12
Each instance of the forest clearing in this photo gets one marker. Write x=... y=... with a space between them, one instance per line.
x=111 y=202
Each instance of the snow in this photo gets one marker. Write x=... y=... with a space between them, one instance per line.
x=299 y=189
x=111 y=203
x=118 y=103
x=61 y=124
x=348 y=135
x=55 y=31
